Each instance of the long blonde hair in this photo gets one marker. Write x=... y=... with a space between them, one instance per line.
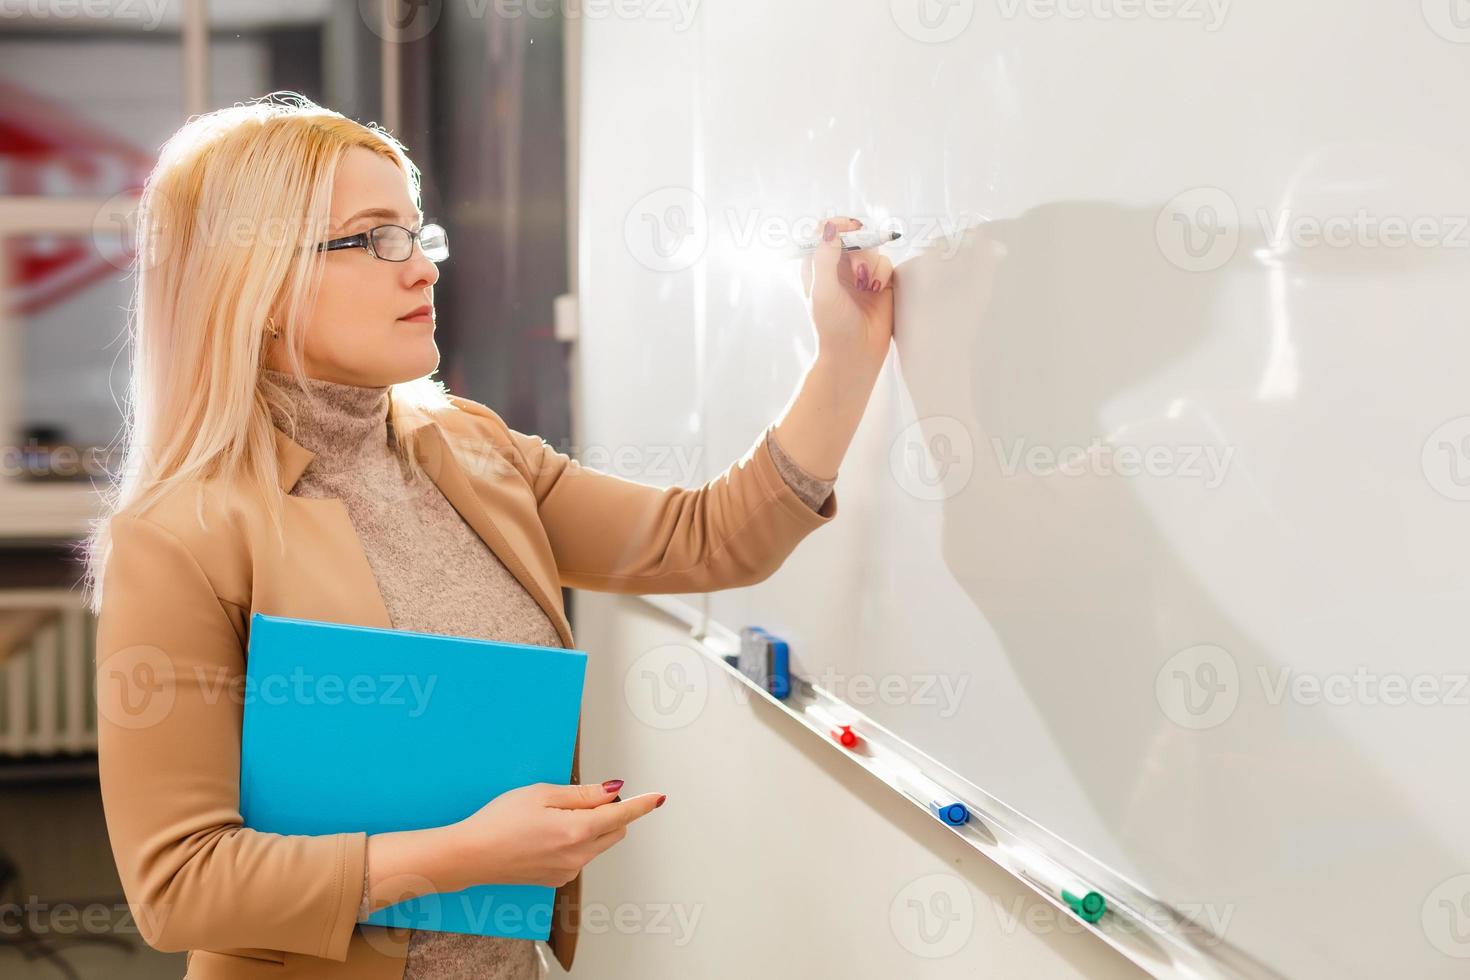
x=232 y=196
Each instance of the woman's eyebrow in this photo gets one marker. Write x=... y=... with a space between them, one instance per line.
x=388 y=213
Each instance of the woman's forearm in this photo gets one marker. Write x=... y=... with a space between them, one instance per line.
x=408 y=863
x=823 y=415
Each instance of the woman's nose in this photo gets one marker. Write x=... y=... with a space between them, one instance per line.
x=419 y=270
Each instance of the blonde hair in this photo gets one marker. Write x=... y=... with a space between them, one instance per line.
x=234 y=192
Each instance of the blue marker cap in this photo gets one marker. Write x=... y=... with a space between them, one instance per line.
x=954 y=814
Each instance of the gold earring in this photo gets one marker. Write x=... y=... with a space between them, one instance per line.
x=270 y=324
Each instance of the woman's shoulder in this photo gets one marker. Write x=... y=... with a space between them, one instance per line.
x=466 y=416
x=478 y=435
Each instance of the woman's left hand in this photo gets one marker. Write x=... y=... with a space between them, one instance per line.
x=850 y=298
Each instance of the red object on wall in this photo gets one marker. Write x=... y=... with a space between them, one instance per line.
x=46 y=150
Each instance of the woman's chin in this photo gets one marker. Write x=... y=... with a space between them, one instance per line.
x=419 y=356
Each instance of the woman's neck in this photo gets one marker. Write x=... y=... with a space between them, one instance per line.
x=339 y=422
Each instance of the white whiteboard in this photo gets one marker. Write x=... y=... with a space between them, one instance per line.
x=1130 y=658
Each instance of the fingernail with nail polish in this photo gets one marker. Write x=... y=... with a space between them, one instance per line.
x=612 y=785
x=660 y=802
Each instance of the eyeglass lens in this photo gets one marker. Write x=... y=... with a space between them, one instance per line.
x=396 y=244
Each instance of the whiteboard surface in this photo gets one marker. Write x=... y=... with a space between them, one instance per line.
x=1233 y=671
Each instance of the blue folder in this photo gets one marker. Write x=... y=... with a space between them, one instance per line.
x=351 y=728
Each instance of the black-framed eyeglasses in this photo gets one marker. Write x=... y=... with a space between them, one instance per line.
x=394 y=243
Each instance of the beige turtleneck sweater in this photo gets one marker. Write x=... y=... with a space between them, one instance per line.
x=414 y=538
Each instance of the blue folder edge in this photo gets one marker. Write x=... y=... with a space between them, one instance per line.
x=292 y=774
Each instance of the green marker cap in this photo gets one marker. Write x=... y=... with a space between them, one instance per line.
x=1089 y=907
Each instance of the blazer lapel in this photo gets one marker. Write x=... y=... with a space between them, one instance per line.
x=329 y=576
x=432 y=450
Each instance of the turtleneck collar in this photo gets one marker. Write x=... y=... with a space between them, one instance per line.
x=345 y=422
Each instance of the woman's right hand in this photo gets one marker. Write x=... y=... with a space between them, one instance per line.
x=543 y=834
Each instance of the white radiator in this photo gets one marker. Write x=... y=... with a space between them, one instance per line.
x=47 y=705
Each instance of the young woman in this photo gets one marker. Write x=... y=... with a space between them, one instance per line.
x=287 y=453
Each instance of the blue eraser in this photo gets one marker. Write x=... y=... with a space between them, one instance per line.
x=779 y=668
x=766 y=660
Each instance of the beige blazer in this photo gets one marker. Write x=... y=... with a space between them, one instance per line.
x=174 y=627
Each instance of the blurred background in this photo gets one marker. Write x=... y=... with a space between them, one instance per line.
x=89 y=91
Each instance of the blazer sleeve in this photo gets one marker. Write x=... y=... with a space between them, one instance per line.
x=170 y=669
x=610 y=534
